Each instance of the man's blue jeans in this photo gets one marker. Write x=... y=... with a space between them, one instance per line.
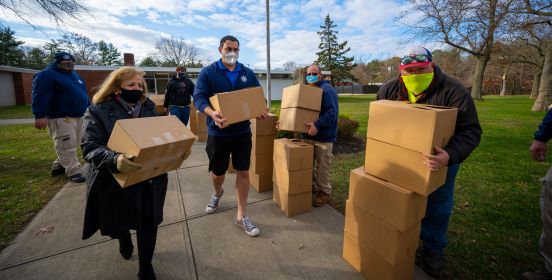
x=439 y=207
x=181 y=112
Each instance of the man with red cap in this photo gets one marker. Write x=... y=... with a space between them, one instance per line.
x=421 y=81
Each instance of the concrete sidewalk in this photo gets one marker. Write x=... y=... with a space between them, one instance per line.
x=17 y=121
x=190 y=244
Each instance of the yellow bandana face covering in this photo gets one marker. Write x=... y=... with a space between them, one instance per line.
x=417 y=83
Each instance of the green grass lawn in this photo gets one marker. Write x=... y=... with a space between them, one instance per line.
x=494 y=229
x=495 y=226
x=16 y=112
x=26 y=155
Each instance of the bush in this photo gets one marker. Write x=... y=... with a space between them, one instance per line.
x=346 y=127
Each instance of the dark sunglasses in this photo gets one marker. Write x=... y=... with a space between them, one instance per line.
x=414 y=58
x=312 y=74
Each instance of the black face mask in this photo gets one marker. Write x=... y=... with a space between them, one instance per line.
x=181 y=75
x=131 y=96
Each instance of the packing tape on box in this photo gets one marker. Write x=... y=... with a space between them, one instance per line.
x=157 y=140
x=169 y=137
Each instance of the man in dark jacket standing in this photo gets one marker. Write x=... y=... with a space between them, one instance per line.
x=225 y=75
x=179 y=95
x=538 y=151
x=322 y=133
x=421 y=81
x=59 y=101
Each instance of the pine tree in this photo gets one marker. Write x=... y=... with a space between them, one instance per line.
x=331 y=56
x=109 y=55
x=9 y=47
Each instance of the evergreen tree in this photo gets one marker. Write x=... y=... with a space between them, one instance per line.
x=148 y=61
x=109 y=55
x=51 y=49
x=331 y=56
x=9 y=47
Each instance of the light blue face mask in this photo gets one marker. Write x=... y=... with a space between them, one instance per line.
x=312 y=79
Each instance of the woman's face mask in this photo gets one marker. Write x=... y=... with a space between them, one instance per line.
x=131 y=96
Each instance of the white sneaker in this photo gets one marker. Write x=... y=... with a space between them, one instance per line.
x=246 y=224
x=213 y=203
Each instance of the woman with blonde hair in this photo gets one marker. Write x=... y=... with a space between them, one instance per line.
x=109 y=208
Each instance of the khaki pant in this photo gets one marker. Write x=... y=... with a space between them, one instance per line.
x=67 y=134
x=322 y=166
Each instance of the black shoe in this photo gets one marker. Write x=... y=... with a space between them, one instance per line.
x=433 y=263
x=57 y=170
x=126 y=247
x=146 y=273
x=77 y=178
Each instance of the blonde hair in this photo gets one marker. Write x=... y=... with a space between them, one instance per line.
x=114 y=81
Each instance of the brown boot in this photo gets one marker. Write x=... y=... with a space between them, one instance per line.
x=321 y=199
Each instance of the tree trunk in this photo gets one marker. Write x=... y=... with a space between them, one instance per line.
x=477 y=83
x=535 y=86
x=545 y=87
x=504 y=85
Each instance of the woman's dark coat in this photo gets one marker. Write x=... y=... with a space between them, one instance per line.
x=110 y=208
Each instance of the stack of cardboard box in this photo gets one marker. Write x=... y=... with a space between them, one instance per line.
x=192 y=122
x=158 y=100
x=300 y=105
x=292 y=175
x=201 y=126
x=388 y=197
x=263 y=133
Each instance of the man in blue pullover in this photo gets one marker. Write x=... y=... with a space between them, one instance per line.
x=226 y=75
x=538 y=151
x=59 y=101
x=322 y=133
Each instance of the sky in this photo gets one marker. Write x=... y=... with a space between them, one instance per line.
x=370 y=27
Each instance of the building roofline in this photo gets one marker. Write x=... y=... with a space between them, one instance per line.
x=5 y=68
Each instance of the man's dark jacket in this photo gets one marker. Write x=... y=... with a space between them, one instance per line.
x=110 y=208
x=445 y=91
x=58 y=94
x=179 y=92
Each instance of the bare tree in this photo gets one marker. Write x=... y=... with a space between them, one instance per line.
x=58 y=10
x=290 y=65
x=470 y=26
x=175 y=51
x=82 y=47
x=542 y=12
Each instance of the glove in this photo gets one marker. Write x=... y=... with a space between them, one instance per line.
x=187 y=153
x=126 y=165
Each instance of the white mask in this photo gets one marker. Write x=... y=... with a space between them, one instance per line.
x=230 y=58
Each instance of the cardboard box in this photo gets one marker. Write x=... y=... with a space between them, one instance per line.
x=388 y=242
x=261 y=182
x=295 y=119
x=202 y=136
x=264 y=127
x=293 y=154
x=159 y=144
x=371 y=265
x=292 y=204
x=239 y=105
x=158 y=99
x=292 y=182
x=302 y=96
x=201 y=122
x=262 y=144
x=397 y=206
x=192 y=124
x=402 y=167
x=418 y=127
x=261 y=164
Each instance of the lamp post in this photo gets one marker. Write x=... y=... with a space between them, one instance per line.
x=268 y=82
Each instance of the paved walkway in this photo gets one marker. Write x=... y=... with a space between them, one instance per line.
x=190 y=244
x=16 y=121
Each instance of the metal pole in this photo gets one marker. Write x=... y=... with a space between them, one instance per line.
x=268 y=84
